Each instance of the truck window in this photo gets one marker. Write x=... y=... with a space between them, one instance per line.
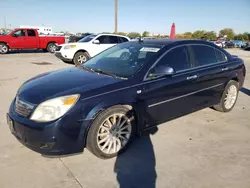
x=19 y=33
x=31 y=33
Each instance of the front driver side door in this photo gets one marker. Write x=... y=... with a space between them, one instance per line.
x=18 y=39
x=171 y=96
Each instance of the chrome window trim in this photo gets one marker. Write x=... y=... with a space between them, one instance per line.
x=219 y=62
x=182 y=96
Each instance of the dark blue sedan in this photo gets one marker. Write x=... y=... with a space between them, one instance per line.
x=122 y=92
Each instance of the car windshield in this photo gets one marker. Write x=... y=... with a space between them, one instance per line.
x=87 y=38
x=123 y=60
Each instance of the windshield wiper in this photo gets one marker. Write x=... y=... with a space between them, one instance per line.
x=108 y=73
x=102 y=72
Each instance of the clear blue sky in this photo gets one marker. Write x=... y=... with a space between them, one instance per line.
x=133 y=15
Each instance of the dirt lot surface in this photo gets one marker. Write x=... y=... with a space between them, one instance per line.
x=206 y=149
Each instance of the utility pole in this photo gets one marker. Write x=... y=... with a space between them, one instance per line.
x=116 y=19
x=5 y=27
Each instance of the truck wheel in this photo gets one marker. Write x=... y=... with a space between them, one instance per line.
x=80 y=58
x=229 y=97
x=4 y=48
x=111 y=132
x=51 y=47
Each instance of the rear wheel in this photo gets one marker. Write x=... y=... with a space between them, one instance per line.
x=111 y=132
x=4 y=48
x=229 y=97
x=51 y=47
x=80 y=58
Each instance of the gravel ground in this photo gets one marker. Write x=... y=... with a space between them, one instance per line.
x=202 y=150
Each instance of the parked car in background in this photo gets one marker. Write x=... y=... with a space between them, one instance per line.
x=122 y=92
x=75 y=38
x=238 y=43
x=87 y=47
x=230 y=44
x=24 y=38
x=247 y=46
x=217 y=43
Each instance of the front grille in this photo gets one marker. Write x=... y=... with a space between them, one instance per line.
x=58 y=48
x=23 y=108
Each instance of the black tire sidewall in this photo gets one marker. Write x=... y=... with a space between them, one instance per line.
x=236 y=84
x=3 y=44
x=94 y=127
x=75 y=59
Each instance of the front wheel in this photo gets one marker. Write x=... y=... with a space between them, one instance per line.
x=229 y=97
x=80 y=58
x=111 y=132
x=4 y=48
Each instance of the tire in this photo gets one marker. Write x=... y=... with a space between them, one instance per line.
x=4 y=48
x=51 y=47
x=101 y=131
x=80 y=58
x=225 y=106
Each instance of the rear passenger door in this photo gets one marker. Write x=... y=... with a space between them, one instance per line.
x=32 y=40
x=212 y=71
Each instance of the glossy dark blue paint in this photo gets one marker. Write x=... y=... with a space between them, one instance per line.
x=99 y=92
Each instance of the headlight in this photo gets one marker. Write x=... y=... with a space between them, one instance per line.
x=69 y=47
x=54 y=108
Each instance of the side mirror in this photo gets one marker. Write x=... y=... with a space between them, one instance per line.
x=162 y=71
x=96 y=42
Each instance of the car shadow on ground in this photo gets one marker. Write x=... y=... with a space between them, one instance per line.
x=245 y=90
x=26 y=51
x=136 y=167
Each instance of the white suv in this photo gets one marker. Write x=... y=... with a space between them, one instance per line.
x=87 y=47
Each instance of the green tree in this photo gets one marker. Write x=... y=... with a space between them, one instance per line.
x=198 y=34
x=187 y=35
x=134 y=34
x=228 y=32
x=210 y=35
x=121 y=33
x=145 y=34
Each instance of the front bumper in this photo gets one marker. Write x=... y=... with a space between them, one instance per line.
x=61 y=137
x=64 y=58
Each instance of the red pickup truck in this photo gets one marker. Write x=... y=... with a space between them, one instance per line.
x=24 y=38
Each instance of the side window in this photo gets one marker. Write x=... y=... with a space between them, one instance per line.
x=19 y=33
x=103 y=39
x=31 y=33
x=113 y=39
x=220 y=56
x=204 y=55
x=122 y=39
x=177 y=58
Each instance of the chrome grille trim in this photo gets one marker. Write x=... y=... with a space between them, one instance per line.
x=23 y=108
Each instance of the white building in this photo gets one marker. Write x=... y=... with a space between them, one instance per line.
x=40 y=29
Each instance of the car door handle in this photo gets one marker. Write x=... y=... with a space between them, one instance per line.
x=225 y=69
x=192 y=77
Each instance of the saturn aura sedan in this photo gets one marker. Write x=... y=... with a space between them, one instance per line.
x=121 y=92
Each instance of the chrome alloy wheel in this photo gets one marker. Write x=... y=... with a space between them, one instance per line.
x=3 y=48
x=231 y=96
x=114 y=133
x=82 y=59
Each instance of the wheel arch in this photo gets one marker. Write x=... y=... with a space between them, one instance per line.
x=3 y=42
x=99 y=108
x=81 y=50
x=53 y=42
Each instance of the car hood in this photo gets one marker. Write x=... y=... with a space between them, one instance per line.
x=62 y=82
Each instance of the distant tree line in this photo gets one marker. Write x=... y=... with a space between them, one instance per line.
x=228 y=33
x=199 y=34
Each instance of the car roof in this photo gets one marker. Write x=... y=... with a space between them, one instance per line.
x=165 y=42
x=110 y=34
